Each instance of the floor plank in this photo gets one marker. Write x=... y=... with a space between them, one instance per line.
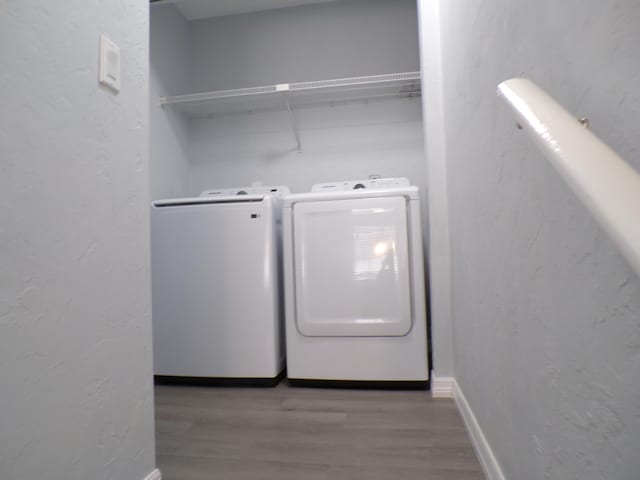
x=310 y=434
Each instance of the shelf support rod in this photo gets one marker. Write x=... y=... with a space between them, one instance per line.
x=294 y=124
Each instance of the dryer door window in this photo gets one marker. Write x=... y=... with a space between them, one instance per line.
x=352 y=272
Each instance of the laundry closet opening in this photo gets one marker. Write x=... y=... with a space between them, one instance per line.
x=318 y=91
x=294 y=96
x=272 y=103
x=369 y=129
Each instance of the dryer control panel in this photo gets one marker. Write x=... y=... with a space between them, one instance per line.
x=273 y=190
x=358 y=184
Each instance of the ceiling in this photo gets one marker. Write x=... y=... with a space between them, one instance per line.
x=195 y=9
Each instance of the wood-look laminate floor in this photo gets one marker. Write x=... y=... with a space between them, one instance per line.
x=292 y=433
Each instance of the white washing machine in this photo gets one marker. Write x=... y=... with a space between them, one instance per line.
x=216 y=296
x=354 y=284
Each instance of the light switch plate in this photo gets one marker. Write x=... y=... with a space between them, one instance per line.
x=109 y=64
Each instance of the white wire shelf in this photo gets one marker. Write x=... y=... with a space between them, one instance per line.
x=287 y=96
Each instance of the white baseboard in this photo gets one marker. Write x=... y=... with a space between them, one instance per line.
x=154 y=475
x=441 y=387
x=490 y=465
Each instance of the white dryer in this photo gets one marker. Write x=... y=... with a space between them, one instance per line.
x=216 y=294
x=354 y=284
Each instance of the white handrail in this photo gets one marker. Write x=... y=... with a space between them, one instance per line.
x=601 y=179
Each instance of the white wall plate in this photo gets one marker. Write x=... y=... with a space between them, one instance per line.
x=109 y=64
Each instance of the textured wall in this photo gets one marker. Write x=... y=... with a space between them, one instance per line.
x=169 y=75
x=546 y=312
x=75 y=358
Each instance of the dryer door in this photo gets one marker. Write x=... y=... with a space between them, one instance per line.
x=351 y=265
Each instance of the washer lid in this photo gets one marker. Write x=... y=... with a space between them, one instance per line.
x=351 y=268
x=183 y=202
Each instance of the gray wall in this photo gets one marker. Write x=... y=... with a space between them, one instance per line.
x=293 y=44
x=75 y=336
x=169 y=75
x=314 y=42
x=546 y=311
x=338 y=143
